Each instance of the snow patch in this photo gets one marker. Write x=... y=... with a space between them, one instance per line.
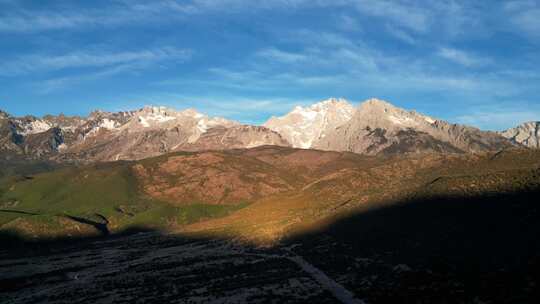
x=36 y=126
x=108 y=124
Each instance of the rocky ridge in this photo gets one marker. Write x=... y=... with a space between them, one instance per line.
x=129 y=135
x=374 y=127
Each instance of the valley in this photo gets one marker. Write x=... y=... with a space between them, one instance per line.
x=338 y=227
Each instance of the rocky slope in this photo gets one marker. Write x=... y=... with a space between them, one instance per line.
x=527 y=134
x=379 y=127
x=304 y=127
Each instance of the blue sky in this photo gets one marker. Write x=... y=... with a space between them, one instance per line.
x=473 y=62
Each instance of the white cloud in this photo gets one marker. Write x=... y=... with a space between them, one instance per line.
x=461 y=57
x=36 y=21
x=282 y=56
x=55 y=84
x=412 y=17
x=84 y=59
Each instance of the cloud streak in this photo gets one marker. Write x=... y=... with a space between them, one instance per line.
x=40 y=62
x=461 y=57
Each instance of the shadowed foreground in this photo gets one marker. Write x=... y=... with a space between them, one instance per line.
x=475 y=249
x=151 y=267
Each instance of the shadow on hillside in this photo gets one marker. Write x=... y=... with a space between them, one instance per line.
x=482 y=248
x=438 y=249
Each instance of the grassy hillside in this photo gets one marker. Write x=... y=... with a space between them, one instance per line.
x=258 y=194
x=55 y=202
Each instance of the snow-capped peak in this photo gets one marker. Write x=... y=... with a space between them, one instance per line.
x=304 y=125
x=527 y=134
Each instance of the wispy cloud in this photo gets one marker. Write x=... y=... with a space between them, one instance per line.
x=281 y=56
x=16 y=19
x=412 y=17
x=400 y=34
x=83 y=59
x=461 y=57
x=331 y=60
x=249 y=110
x=348 y=23
x=525 y=16
x=21 y=21
x=529 y=21
x=51 y=85
x=497 y=119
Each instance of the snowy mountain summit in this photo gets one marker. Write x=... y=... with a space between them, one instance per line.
x=304 y=126
x=527 y=134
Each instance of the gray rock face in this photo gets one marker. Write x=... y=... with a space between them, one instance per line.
x=379 y=127
x=527 y=134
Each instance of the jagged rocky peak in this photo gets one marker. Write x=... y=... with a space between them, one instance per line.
x=527 y=134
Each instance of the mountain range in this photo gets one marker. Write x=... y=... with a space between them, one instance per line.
x=374 y=127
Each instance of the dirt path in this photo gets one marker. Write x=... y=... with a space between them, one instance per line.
x=340 y=292
x=337 y=290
